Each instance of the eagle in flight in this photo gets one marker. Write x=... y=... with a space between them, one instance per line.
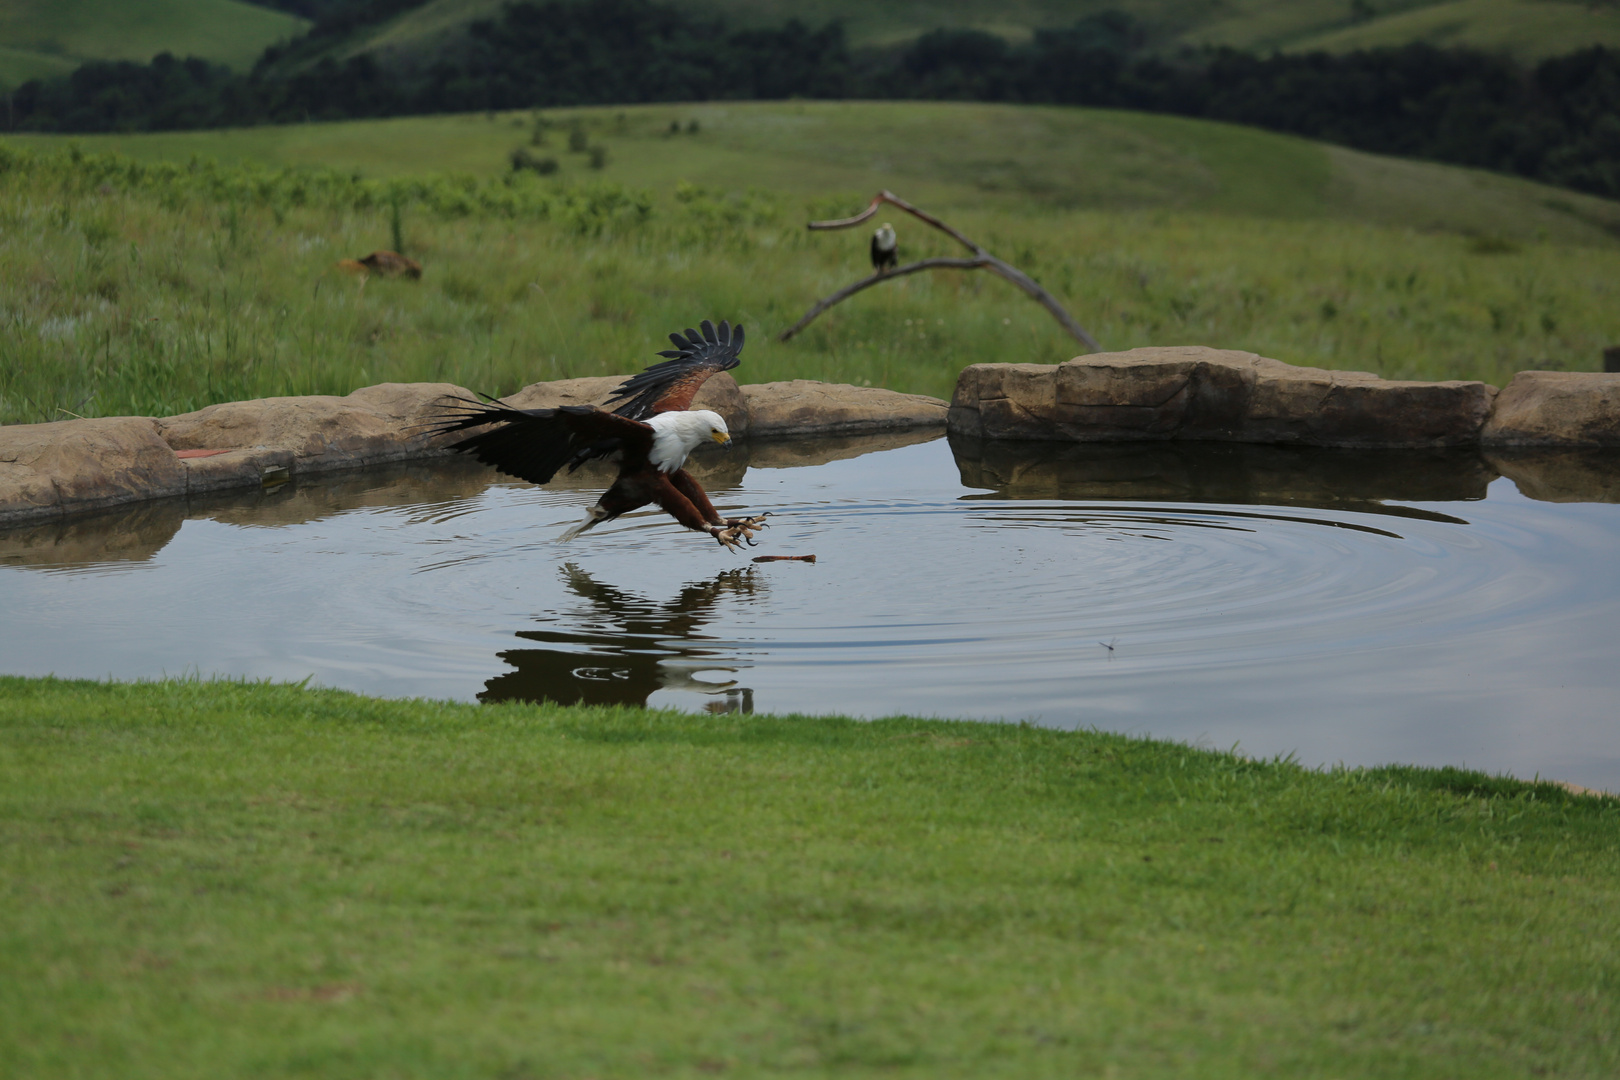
x=651 y=432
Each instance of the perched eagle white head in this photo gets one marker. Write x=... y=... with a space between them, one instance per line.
x=885 y=248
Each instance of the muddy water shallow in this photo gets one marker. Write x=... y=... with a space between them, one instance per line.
x=1343 y=607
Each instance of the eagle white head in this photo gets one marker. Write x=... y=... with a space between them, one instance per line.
x=677 y=434
x=884 y=237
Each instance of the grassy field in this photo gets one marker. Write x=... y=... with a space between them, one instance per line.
x=220 y=879
x=1010 y=159
x=125 y=298
x=48 y=37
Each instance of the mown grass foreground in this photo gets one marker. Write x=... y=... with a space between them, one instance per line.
x=218 y=879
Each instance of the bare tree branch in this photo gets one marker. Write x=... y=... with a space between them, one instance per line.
x=867 y=282
x=982 y=259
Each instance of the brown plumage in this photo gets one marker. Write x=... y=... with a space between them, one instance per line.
x=651 y=432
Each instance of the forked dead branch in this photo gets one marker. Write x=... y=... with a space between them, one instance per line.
x=980 y=260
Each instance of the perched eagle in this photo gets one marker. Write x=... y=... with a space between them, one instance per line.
x=651 y=432
x=885 y=249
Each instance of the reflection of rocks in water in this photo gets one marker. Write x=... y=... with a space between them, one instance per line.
x=424 y=485
x=130 y=534
x=138 y=532
x=1561 y=474
x=619 y=648
x=714 y=467
x=1221 y=472
x=796 y=453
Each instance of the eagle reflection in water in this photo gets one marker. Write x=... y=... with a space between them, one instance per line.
x=621 y=647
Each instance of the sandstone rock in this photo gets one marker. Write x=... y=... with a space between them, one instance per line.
x=1192 y=392
x=1563 y=474
x=719 y=393
x=801 y=407
x=370 y=424
x=71 y=465
x=1556 y=408
x=1355 y=408
x=805 y=407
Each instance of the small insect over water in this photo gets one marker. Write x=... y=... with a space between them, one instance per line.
x=1109 y=645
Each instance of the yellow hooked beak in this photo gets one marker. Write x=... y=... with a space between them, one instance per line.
x=722 y=438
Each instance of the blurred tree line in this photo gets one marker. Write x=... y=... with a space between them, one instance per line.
x=1558 y=121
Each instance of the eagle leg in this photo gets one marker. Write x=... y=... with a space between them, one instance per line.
x=741 y=529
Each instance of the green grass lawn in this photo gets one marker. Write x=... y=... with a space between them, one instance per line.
x=206 y=879
x=50 y=37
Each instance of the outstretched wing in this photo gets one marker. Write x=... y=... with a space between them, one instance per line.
x=532 y=444
x=671 y=386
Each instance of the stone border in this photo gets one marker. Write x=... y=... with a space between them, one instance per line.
x=1189 y=392
x=78 y=466
x=1193 y=392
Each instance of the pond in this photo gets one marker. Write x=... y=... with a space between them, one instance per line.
x=1356 y=607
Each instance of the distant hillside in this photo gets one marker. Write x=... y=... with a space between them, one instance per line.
x=41 y=38
x=1527 y=29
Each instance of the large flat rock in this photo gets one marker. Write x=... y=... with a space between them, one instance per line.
x=805 y=407
x=318 y=433
x=799 y=407
x=1192 y=392
x=1556 y=408
x=71 y=465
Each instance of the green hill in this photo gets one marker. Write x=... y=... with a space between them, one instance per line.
x=49 y=37
x=1012 y=158
x=1529 y=29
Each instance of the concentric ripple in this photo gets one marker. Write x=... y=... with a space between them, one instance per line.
x=1465 y=632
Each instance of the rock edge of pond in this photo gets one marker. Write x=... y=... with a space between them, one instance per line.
x=79 y=466
x=1194 y=392
x=1149 y=394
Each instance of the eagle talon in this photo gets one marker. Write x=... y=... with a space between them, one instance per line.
x=726 y=537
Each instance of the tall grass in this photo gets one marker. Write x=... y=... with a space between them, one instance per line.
x=153 y=289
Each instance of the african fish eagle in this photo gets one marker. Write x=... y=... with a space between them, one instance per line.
x=651 y=432
x=885 y=249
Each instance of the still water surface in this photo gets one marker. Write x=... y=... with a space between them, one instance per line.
x=1342 y=607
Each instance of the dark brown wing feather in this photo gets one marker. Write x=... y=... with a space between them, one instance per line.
x=671 y=385
x=532 y=444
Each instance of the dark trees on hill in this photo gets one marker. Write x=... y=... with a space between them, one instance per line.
x=627 y=51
